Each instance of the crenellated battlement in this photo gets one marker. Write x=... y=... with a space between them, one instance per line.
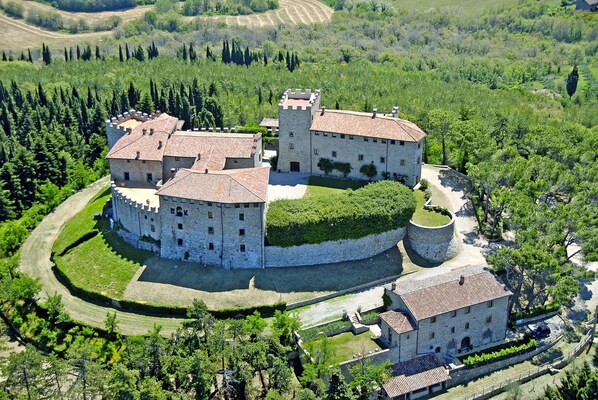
x=120 y=197
x=300 y=100
x=140 y=116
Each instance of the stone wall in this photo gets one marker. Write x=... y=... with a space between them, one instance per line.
x=139 y=219
x=333 y=251
x=135 y=241
x=436 y=244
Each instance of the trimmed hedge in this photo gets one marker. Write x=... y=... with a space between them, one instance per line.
x=534 y=312
x=328 y=329
x=375 y=208
x=499 y=353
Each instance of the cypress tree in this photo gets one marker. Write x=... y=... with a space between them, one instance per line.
x=127 y=52
x=66 y=55
x=70 y=54
x=120 y=53
x=4 y=56
x=78 y=53
x=98 y=56
x=29 y=58
x=572 y=80
x=192 y=53
x=247 y=57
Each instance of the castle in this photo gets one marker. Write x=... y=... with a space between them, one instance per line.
x=202 y=196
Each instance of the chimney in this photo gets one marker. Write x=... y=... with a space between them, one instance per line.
x=206 y=170
x=374 y=112
x=143 y=131
x=151 y=131
x=160 y=144
x=137 y=156
x=393 y=286
x=129 y=130
x=395 y=111
x=172 y=172
x=461 y=280
x=323 y=110
x=199 y=156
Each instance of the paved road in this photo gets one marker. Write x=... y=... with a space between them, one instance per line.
x=35 y=262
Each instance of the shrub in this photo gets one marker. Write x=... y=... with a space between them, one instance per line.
x=14 y=9
x=368 y=170
x=499 y=353
x=327 y=329
x=375 y=208
x=424 y=185
x=545 y=309
x=274 y=162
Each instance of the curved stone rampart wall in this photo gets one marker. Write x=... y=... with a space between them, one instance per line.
x=333 y=251
x=137 y=218
x=436 y=244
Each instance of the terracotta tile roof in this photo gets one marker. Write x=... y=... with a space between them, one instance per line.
x=438 y=295
x=190 y=144
x=269 y=122
x=245 y=185
x=397 y=321
x=415 y=374
x=362 y=124
x=146 y=145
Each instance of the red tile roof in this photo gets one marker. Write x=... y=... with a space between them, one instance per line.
x=145 y=144
x=245 y=185
x=397 y=321
x=438 y=295
x=415 y=374
x=364 y=124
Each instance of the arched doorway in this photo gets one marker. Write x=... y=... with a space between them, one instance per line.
x=451 y=348
x=487 y=337
x=295 y=166
x=466 y=343
x=437 y=350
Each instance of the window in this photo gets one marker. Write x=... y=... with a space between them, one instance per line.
x=334 y=154
x=366 y=139
x=179 y=242
x=433 y=320
x=467 y=310
x=325 y=134
x=419 y=145
x=153 y=228
x=382 y=160
x=128 y=161
x=172 y=210
x=179 y=212
x=180 y=226
x=360 y=157
x=177 y=159
x=241 y=217
x=342 y=136
x=490 y=303
x=315 y=152
x=402 y=143
x=489 y=319
x=150 y=178
x=237 y=205
x=432 y=335
x=418 y=159
x=210 y=246
x=241 y=232
x=291 y=146
x=383 y=140
x=333 y=135
x=256 y=204
x=246 y=205
x=210 y=215
x=375 y=140
x=209 y=204
x=350 y=137
x=467 y=325
x=145 y=216
x=127 y=176
x=210 y=230
x=317 y=133
x=453 y=313
x=242 y=248
x=291 y=134
x=453 y=329
x=402 y=162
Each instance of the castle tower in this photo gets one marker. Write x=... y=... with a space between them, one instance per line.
x=117 y=127
x=295 y=115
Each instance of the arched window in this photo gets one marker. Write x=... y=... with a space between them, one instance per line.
x=179 y=212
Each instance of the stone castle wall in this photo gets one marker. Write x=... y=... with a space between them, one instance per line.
x=333 y=251
x=137 y=218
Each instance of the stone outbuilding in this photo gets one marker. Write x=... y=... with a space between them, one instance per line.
x=416 y=378
x=455 y=313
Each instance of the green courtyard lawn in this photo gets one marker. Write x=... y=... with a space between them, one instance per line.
x=345 y=345
x=81 y=223
x=318 y=185
x=425 y=217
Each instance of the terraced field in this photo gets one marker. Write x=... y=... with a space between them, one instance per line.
x=17 y=35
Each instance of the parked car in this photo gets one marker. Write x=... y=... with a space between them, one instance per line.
x=538 y=331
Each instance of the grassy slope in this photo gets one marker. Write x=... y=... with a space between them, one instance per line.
x=425 y=217
x=345 y=345
x=468 y=6
x=318 y=185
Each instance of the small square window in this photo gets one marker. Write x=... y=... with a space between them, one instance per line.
x=489 y=319
x=210 y=215
x=402 y=143
x=209 y=204
x=325 y=134
x=317 y=133
x=402 y=162
x=145 y=216
x=360 y=157
x=153 y=228
x=180 y=226
x=490 y=303
x=172 y=210
x=453 y=329
x=342 y=136
x=392 y=142
x=291 y=146
x=315 y=152
x=467 y=325
x=382 y=160
x=177 y=159
x=246 y=205
x=432 y=335
x=419 y=145
x=383 y=140
x=366 y=139
x=334 y=154
x=375 y=140
x=433 y=320
x=179 y=242
x=453 y=313
x=350 y=137
x=237 y=205
x=127 y=176
x=241 y=217
x=210 y=246
x=467 y=310
x=241 y=232
x=242 y=248
x=210 y=230
x=291 y=134
x=333 y=135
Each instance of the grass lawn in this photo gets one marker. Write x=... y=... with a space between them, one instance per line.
x=468 y=6
x=81 y=223
x=425 y=217
x=345 y=345
x=318 y=185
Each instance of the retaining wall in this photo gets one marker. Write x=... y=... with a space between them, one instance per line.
x=436 y=244
x=332 y=251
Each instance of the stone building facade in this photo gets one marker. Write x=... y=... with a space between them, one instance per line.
x=201 y=195
x=462 y=311
x=309 y=133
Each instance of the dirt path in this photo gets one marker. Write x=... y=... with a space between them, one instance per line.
x=35 y=262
